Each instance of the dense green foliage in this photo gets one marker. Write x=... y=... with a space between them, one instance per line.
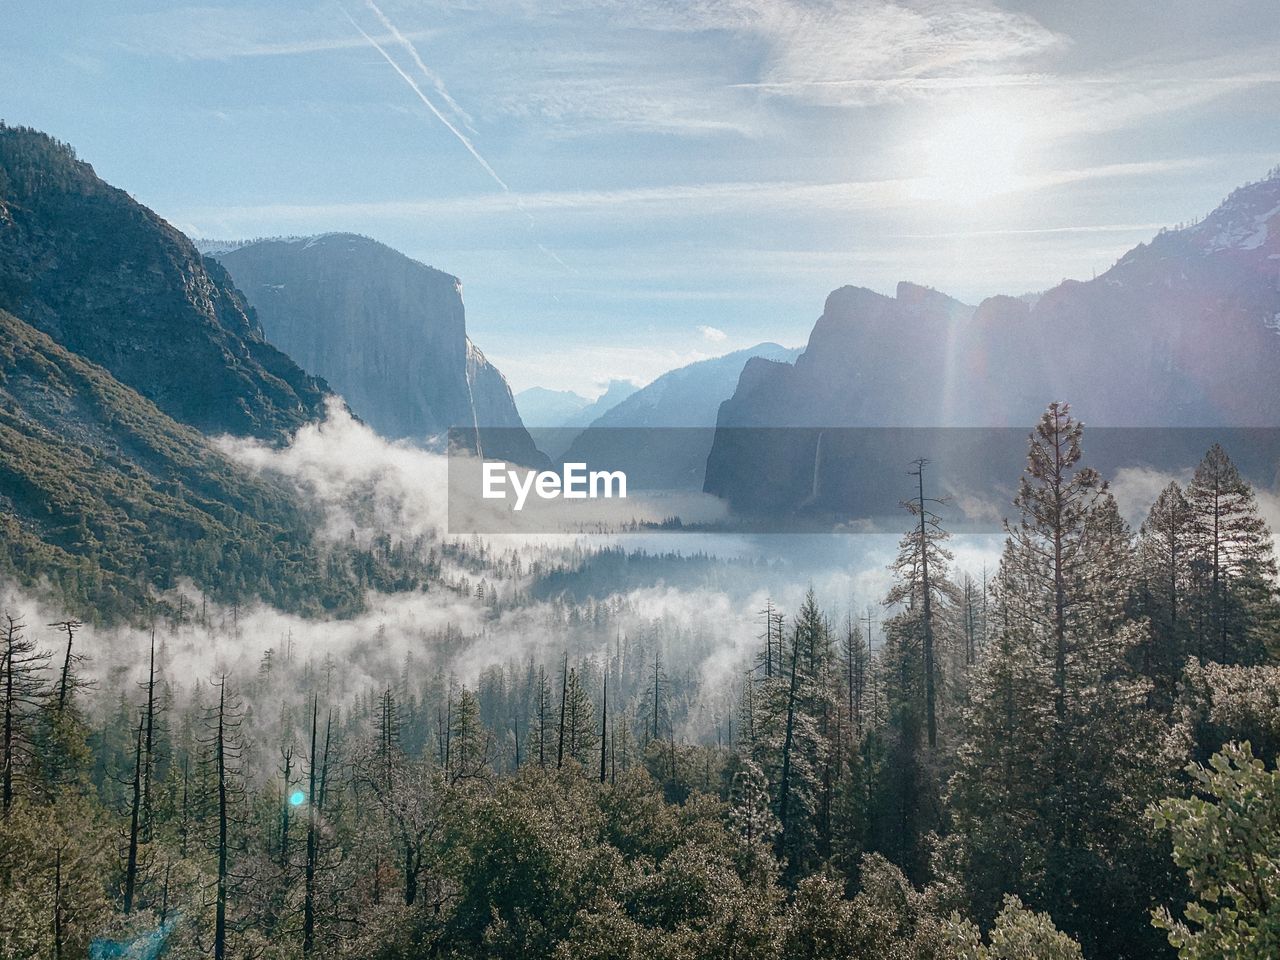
x=105 y=499
x=1227 y=838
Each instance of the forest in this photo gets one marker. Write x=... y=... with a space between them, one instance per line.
x=1070 y=755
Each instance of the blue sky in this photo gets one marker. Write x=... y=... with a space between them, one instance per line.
x=625 y=187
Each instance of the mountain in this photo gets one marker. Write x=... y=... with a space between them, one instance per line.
x=389 y=334
x=689 y=396
x=555 y=440
x=129 y=348
x=661 y=434
x=1182 y=331
x=104 y=498
x=112 y=282
x=540 y=407
x=615 y=393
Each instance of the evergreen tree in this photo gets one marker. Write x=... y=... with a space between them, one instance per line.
x=1164 y=564
x=22 y=694
x=751 y=815
x=1233 y=564
x=1061 y=753
x=579 y=721
x=470 y=742
x=922 y=586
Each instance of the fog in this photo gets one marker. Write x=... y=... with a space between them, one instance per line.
x=364 y=486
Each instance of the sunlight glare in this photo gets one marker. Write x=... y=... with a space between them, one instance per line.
x=971 y=156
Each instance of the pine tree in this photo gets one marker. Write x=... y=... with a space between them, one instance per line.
x=1061 y=753
x=63 y=748
x=794 y=718
x=855 y=662
x=1164 y=564
x=541 y=729
x=22 y=693
x=751 y=815
x=1233 y=564
x=471 y=743
x=579 y=722
x=224 y=752
x=922 y=586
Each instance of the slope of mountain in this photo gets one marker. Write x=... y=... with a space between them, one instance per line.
x=615 y=393
x=387 y=332
x=689 y=396
x=540 y=407
x=114 y=283
x=555 y=440
x=1182 y=331
x=103 y=498
x=661 y=434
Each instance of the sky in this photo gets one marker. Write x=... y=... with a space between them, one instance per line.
x=625 y=187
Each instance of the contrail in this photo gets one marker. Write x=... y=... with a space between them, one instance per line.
x=427 y=72
x=462 y=137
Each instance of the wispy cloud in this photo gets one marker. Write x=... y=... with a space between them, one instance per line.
x=810 y=44
x=220 y=33
x=679 y=200
x=712 y=334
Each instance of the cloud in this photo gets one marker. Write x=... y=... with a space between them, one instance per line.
x=710 y=67
x=712 y=334
x=222 y=33
x=358 y=480
x=671 y=200
x=870 y=46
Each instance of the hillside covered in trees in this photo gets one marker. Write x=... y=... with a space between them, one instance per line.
x=1070 y=755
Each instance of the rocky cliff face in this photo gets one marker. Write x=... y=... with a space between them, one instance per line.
x=497 y=422
x=112 y=282
x=387 y=332
x=1183 y=331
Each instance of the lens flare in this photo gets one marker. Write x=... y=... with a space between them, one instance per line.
x=297 y=798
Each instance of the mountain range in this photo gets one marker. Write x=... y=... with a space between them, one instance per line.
x=540 y=407
x=555 y=437
x=1183 y=331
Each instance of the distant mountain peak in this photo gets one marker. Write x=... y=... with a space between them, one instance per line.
x=687 y=399
x=618 y=389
